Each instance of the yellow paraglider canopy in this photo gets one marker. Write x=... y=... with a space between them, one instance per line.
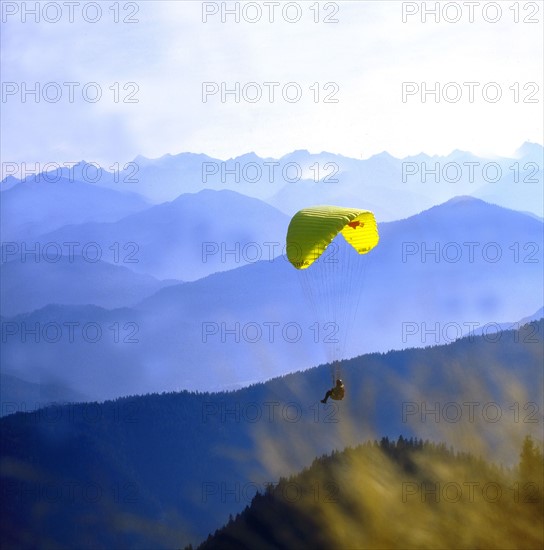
x=312 y=229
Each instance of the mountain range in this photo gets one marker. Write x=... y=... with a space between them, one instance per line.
x=393 y=188
x=35 y=206
x=190 y=237
x=432 y=278
x=72 y=280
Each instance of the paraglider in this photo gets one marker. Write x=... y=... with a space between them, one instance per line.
x=337 y=393
x=332 y=282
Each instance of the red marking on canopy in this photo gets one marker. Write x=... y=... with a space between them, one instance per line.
x=355 y=224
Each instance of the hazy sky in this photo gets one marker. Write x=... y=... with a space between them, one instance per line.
x=161 y=61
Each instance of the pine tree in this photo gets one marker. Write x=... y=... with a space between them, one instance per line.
x=530 y=464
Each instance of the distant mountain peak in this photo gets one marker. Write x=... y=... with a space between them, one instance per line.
x=463 y=199
x=141 y=159
x=459 y=152
x=218 y=196
x=420 y=155
x=384 y=155
x=529 y=148
x=474 y=203
x=296 y=153
x=251 y=156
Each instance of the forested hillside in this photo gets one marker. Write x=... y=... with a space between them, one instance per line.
x=396 y=494
x=165 y=470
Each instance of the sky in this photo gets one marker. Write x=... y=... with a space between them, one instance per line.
x=338 y=84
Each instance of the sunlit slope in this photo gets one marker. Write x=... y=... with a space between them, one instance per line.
x=403 y=494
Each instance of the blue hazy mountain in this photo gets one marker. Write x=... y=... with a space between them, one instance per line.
x=165 y=178
x=170 y=468
x=521 y=187
x=18 y=395
x=33 y=207
x=392 y=187
x=169 y=176
x=70 y=280
x=8 y=182
x=189 y=237
x=375 y=182
x=493 y=331
x=531 y=152
x=433 y=277
x=84 y=348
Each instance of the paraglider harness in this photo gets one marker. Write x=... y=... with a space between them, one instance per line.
x=338 y=391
